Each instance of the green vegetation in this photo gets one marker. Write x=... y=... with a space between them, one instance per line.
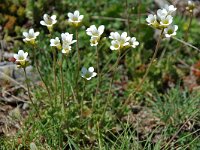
x=112 y=113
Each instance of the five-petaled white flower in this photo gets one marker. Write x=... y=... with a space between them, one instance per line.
x=166 y=21
x=162 y=13
x=67 y=38
x=48 y=21
x=88 y=73
x=122 y=40
x=115 y=45
x=163 y=17
x=170 y=9
x=94 y=41
x=95 y=34
x=66 y=48
x=170 y=31
x=152 y=20
x=55 y=43
x=30 y=36
x=75 y=18
x=133 y=42
x=21 y=57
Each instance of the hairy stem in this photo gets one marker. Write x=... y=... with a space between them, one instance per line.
x=78 y=59
x=127 y=18
x=54 y=70
x=188 y=29
x=29 y=95
x=38 y=70
x=98 y=69
x=62 y=82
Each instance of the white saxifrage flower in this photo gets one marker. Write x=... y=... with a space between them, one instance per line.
x=88 y=73
x=163 y=17
x=152 y=20
x=30 y=36
x=166 y=21
x=48 y=21
x=133 y=42
x=95 y=34
x=21 y=57
x=115 y=45
x=75 y=18
x=162 y=13
x=67 y=38
x=170 y=9
x=163 y=20
x=55 y=43
x=66 y=48
x=121 y=40
x=170 y=31
x=94 y=41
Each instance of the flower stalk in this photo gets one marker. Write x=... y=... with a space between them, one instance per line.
x=29 y=95
x=149 y=67
x=38 y=70
x=62 y=82
x=111 y=83
x=78 y=59
x=188 y=29
x=98 y=68
x=54 y=70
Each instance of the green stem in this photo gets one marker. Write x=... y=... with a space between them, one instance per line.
x=78 y=59
x=54 y=70
x=188 y=29
x=29 y=95
x=127 y=18
x=38 y=70
x=139 y=14
x=98 y=69
x=62 y=82
x=148 y=69
x=84 y=87
x=110 y=87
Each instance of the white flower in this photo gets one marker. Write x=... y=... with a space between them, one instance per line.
x=55 y=43
x=115 y=45
x=48 y=21
x=114 y=36
x=30 y=36
x=133 y=42
x=166 y=21
x=94 y=41
x=120 y=40
x=21 y=57
x=94 y=32
x=88 y=73
x=152 y=20
x=170 y=31
x=75 y=18
x=66 y=48
x=170 y=9
x=67 y=38
x=162 y=13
